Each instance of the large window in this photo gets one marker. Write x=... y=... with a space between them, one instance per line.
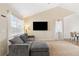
x=16 y=26
x=59 y=30
x=58 y=27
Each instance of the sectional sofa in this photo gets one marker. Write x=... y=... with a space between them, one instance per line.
x=25 y=45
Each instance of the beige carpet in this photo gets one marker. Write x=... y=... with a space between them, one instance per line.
x=62 y=48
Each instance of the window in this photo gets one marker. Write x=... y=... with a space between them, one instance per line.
x=59 y=30
x=13 y=21
x=16 y=26
x=58 y=27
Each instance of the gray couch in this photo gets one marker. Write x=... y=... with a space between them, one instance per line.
x=25 y=45
x=20 y=45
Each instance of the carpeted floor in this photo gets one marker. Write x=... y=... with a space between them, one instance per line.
x=63 y=48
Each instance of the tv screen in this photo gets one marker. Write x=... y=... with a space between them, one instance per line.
x=40 y=25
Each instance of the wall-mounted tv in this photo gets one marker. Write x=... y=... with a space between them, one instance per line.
x=41 y=25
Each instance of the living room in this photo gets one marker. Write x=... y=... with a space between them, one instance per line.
x=34 y=29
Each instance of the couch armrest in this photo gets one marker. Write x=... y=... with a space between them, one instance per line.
x=19 y=49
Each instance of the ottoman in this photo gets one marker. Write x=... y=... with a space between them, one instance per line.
x=39 y=49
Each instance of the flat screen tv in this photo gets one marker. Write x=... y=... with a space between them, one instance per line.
x=40 y=26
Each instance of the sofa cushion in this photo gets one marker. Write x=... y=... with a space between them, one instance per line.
x=39 y=46
x=16 y=40
x=24 y=37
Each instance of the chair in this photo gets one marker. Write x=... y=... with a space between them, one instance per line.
x=72 y=34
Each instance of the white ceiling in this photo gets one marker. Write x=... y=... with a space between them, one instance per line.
x=29 y=9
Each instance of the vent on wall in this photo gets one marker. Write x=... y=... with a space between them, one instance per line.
x=3 y=15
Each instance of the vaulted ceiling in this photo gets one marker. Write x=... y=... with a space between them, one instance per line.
x=29 y=9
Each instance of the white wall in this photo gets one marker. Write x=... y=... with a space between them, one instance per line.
x=71 y=24
x=51 y=16
x=44 y=35
x=3 y=36
x=3 y=31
